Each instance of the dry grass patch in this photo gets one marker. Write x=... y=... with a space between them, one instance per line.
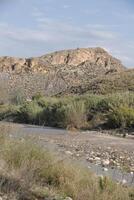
x=29 y=172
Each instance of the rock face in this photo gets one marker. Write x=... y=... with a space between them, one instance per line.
x=59 y=72
x=95 y=58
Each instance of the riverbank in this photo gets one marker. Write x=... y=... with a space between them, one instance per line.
x=103 y=153
x=33 y=167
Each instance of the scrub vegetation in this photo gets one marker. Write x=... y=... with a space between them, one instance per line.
x=74 y=112
x=29 y=172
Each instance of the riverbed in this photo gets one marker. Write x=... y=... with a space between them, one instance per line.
x=103 y=154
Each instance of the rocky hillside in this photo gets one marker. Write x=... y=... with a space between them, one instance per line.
x=62 y=72
x=116 y=82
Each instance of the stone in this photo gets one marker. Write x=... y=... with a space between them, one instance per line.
x=68 y=198
x=69 y=153
x=90 y=159
x=97 y=159
x=105 y=162
x=105 y=169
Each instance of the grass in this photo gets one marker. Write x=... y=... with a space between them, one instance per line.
x=29 y=172
x=76 y=115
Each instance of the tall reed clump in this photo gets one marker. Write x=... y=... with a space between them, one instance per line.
x=76 y=115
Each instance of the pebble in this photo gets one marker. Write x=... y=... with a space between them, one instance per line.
x=68 y=198
x=105 y=162
x=105 y=169
x=90 y=159
x=124 y=181
x=97 y=159
x=69 y=153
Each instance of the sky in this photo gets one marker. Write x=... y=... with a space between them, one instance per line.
x=35 y=27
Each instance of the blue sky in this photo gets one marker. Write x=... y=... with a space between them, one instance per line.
x=35 y=27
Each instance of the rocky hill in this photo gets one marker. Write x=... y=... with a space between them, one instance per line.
x=64 y=72
x=95 y=59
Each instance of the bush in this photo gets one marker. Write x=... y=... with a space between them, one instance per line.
x=76 y=115
x=86 y=111
x=91 y=102
x=8 y=111
x=54 y=115
x=63 y=113
x=121 y=117
x=29 y=113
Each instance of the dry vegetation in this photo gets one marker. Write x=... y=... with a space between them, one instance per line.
x=106 y=84
x=30 y=173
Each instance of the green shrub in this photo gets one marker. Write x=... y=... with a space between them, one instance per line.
x=58 y=113
x=8 y=111
x=54 y=115
x=121 y=117
x=91 y=102
x=30 y=113
x=85 y=111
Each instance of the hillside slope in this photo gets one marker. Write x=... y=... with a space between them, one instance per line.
x=65 y=72
x=117 y=82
